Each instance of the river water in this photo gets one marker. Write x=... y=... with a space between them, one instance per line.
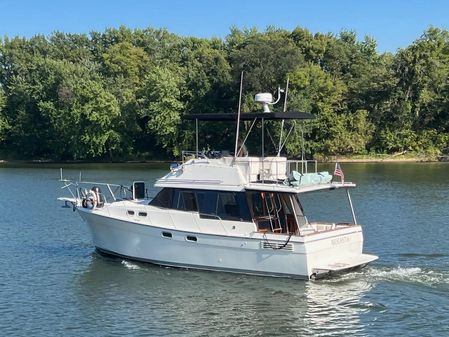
x=53 y=283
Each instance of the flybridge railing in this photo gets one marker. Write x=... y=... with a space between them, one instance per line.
x=187 y=155
x=257 y=169
x=278 y=169
x=274 y=169
x=302 y=166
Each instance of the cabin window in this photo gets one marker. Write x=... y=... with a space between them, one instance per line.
x=184 y=200
x=223 y=205
x=207 y=203
x=231 y=206
x=242 y=202
x=189 y=201
x=227 y=206
x=210 y=204
x=257 y=204
x=163 y=198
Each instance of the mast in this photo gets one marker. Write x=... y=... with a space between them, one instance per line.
x=196 y=132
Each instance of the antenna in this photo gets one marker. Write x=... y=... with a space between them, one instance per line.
x=286 y=94
x=238 y=116
x=283 y=121
x=302 y=143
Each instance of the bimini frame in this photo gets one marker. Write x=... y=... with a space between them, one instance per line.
x=248 y=116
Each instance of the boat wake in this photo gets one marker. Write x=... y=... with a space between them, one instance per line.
x=411 y=275
x=417 y=275
x=130 y=265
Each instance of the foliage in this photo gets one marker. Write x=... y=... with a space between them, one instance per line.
x=161 y=106
x=3 y=122
x=121 y=93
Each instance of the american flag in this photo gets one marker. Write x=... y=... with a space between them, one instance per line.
x=339 y=172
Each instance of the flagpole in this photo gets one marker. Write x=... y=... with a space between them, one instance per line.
x=339 y=172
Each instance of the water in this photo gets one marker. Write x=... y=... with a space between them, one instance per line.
x=53 y=283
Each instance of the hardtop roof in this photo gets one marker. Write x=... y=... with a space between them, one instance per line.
x=250 y=116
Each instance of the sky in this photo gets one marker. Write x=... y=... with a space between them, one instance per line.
x=393 y=24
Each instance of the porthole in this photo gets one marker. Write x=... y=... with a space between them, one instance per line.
x=142 y=213
x=166 y=234
x=130 y=212
x=191 y=238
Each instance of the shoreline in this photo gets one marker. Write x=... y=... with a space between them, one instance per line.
x=384 y=160
x=159 y=161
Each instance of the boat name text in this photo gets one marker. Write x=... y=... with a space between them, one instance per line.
x=339 y=241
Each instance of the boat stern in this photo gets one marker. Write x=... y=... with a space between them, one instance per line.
x=342 y=265
x=336 y=251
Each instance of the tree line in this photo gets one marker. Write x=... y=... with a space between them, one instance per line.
x=122 y=93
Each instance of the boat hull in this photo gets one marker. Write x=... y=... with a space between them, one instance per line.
x=302 y=257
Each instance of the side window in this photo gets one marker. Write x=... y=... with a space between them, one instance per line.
x=227 y=207
x=178 y=201
x=257 y=203
x=223 y=205
x=244 y=213
x=207 y=202
x=189 y=201
x=163 y=198
x=233 y=206
x=184 y=200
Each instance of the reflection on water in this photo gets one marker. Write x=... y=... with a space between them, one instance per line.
x=170 y=301
x=334 y=307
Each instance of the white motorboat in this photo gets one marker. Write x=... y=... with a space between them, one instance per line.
x=225 y=213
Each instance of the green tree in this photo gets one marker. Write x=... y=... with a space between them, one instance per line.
x=161 y=107
x=119 y=92
x=127 y=61
x=315 y=91
x=3 y=121
x=266 y=58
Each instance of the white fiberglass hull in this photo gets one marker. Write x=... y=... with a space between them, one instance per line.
x=302 y=257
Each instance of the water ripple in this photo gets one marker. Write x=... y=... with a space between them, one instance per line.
x=418 y=275
x=53 y=283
